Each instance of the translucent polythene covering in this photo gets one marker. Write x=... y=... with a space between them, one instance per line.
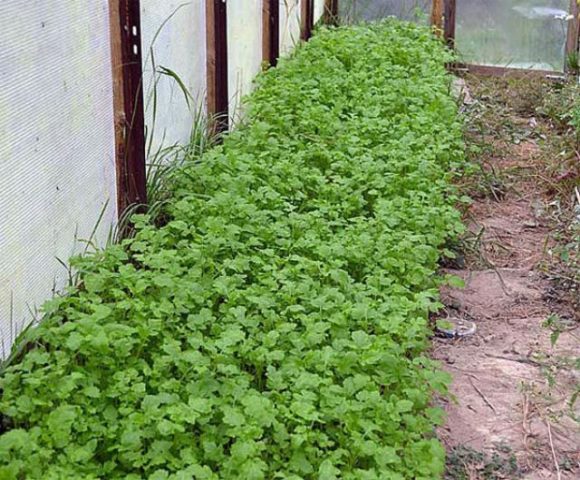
x=290 y=24
x=318 y=9
x=513 y=33
x=57 y=148
x=368 y=10
x=174 y=68
x=244 y=50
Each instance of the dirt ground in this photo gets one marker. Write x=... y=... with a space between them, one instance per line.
x=511 y=415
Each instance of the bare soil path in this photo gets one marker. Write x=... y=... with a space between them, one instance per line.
x=512 y=416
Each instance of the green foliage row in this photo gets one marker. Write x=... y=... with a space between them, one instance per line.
x=274 y=327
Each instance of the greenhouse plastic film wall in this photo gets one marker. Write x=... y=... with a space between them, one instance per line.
x=57 y=140
x=174 y=58
x=368 y=10
x=290 y=15
x=244 y=41
x=244 y=49
x=319 y=6
x=57 y=168
x=513 y=33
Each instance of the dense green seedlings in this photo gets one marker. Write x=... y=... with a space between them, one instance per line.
x=274 y=327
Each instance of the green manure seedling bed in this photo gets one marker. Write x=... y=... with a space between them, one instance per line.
x=275 y=326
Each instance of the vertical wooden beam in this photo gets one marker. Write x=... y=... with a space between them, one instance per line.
x=572 y=39
x=307 y=19
x=270 y=31
x=437 y=16
x=125 y=27
x=449 y=22
x=331 y=12
x=217 y=64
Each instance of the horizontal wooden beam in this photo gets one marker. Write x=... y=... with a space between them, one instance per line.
x=493 y=71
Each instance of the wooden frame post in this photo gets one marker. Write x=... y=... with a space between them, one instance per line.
x=437 y=12
x=270 y=31
x=217 y=64
x=573 y=35
x=125 y=27
x=307 y=19
x=331 y=12
x=449 y=22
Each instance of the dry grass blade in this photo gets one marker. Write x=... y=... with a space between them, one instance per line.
x=554 y=457
x=483 y=397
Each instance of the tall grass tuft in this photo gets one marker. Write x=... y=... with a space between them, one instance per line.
x=164 y=160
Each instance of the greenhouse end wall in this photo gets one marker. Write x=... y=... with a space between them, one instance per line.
x=513 y=33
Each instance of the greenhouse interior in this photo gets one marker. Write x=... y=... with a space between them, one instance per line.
x=290 y=239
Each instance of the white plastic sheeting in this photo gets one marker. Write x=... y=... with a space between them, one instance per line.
x=244 y=50
x=57 y=167
x=523 y=34
x=318 y=9
x=290 y=24
x=57 y=141
x=411 y=10
x=174 y=42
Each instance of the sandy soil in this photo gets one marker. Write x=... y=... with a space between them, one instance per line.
x=504 y=400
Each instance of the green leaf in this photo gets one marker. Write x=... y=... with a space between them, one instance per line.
x=328 y=471
x=455 y=281
x=233 y=417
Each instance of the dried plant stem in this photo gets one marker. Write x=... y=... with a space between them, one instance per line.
x=553 y=451
x=487 y=402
